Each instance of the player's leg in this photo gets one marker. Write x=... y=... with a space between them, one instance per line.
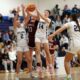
x=27 y=58
x=46 y=48
x=31 y=47
x=38 y=48
x=68 y=58
x=78 y=55
x=39 y=69
x=19 y=61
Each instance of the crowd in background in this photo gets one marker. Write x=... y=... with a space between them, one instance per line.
x=59 y=44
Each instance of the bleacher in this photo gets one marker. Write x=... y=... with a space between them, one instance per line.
x=7 y=22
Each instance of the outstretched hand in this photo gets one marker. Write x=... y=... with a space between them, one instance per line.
x=18 y=9
x=22 y=5
x=50 y=37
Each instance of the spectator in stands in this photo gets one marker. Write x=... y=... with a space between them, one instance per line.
x=63 y=45
x=14 y=11
x=7 y=61
x=0 y=60
x=6 y=37
x=1 y=37
x=58 y=21
x=66 y=11
x=75 y=9
x=11 y=35
x=65 y=7
x=64 y=41
x=56 y=10
x=65 y=19
x=12 y=54
x=1 y=18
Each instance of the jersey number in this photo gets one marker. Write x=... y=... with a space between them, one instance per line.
x=40 y=26
x=76 y=28
x=30 y=29
x=22 y=36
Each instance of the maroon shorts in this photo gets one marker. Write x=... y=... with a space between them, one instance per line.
x=31 y=43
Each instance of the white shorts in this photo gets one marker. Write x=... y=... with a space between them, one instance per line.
x=41 y=40
x=74 y=46
x=22 y=48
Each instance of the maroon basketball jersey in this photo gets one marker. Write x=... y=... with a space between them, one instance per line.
x=32 y=27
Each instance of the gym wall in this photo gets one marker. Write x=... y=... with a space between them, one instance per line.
x=7 y=5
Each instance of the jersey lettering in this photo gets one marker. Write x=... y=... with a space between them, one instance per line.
x=30 y=29
x=22 y=36
x=41 y=25
x=76 y=28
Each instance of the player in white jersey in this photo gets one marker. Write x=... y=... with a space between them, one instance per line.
x=41 y=38
x=74 y=46
x=22 y=42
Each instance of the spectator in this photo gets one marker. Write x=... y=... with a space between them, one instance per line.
x=75 y=9
x=11 y=35
x=58 y=21
x=1 y=37
x=65 y=20
x=64 y=41
x=1 y=66
x=14 y=11
x=56 y=10
x=1 y=18
x=66 y=11
x=6 y=37
x=7 y=61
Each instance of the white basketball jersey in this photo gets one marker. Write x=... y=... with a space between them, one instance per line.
x=74 y=35
x=21 y=36
x=42 y=28
x=73 y=30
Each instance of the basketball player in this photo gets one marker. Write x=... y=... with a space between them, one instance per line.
x=32 y=22
x=74 y=36
x=41 y=38
x=22 y=42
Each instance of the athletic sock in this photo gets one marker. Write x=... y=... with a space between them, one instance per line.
x=69 y=76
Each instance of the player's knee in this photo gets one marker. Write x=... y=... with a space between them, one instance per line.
x=19 y=61
x=37 y=50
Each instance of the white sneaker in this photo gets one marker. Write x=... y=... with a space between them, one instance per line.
x=16 y=78
x=31 y=75
x=6 y=71
x=51 y=69
x=39 y=70
x=21 y=70
x=12 y=71
x=68 y=77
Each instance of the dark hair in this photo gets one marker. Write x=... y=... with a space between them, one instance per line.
x=48 y=11
x=74 y=18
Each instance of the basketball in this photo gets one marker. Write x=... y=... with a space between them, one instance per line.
x=31 y=7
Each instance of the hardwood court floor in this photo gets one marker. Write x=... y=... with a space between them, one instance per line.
x=23 y=76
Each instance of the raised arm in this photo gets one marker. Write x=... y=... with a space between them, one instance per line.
x=23 y=10
x=43 y=17
x=27 y=17
x=64 y=27
x=16 y=18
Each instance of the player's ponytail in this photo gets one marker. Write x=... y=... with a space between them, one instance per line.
x=74 y=18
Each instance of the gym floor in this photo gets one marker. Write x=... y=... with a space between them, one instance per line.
x=24 y=76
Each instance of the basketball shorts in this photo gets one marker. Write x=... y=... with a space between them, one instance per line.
x=22 y=48
x=41 y=40
x=31 y=42
x=74 y=46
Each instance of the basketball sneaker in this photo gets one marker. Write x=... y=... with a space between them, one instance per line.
x=39 y=70
x=51 y=69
